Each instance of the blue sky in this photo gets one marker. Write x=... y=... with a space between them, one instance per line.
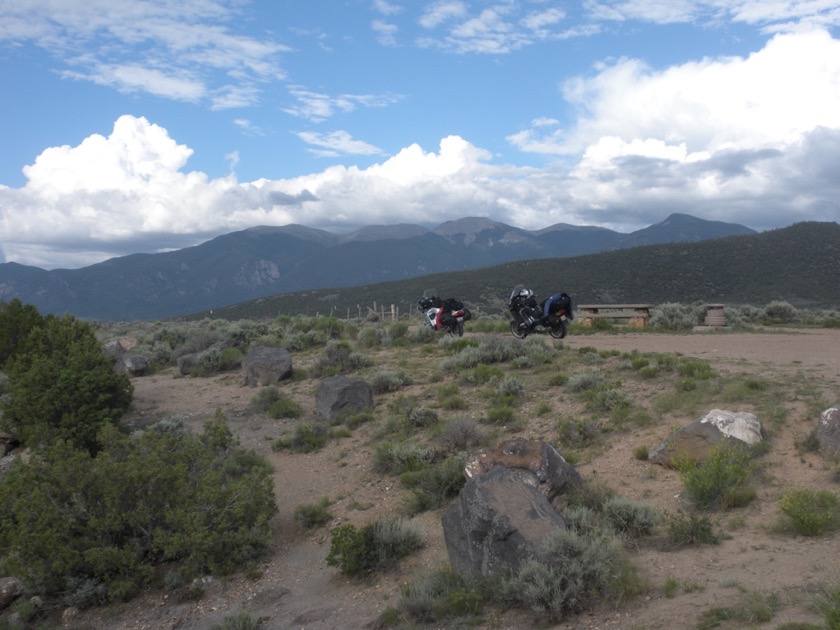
x=145 y=126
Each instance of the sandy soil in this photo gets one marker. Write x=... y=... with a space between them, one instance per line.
x=297 y=590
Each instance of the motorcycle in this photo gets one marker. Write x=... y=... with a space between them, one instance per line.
x=448 y=314
x=528 y=317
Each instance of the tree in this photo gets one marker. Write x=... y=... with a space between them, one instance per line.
x=62 y=386
x=16 y=322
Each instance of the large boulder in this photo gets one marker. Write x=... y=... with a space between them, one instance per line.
x=132 y=364
x=265 y=365
x=552 y=472
x=827 y=431
x=694 y=442
x=339 y=396
x=499 y=520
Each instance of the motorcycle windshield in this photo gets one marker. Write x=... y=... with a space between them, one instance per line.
x=517 y=290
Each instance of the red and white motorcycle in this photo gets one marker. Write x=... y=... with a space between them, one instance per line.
x=448 y=314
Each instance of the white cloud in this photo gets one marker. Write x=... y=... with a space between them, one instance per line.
x=337 y=143
x=770 y=98
x=318 y=107
x=757 y=138
x=178 y=50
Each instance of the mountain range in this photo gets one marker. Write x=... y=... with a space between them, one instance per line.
x=264 y=261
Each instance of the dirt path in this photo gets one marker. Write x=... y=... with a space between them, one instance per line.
x=297 y=591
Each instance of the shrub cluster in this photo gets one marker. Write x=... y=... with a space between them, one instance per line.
x=202 y=502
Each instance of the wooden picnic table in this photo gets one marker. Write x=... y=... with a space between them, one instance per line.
x=635 y=314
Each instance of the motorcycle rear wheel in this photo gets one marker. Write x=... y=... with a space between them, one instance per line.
x=559 y=330
x=516 y=331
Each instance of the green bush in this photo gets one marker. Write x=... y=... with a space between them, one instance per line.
x=574 y=571
x=435 y=484
x=375 y=546
x=683 y=530
x=811 y=512
x=721 y=481
x=271 y=401
x=311 y=515
x=438 y=596
x=202 y=501
x=62 y=386
x=397 y=458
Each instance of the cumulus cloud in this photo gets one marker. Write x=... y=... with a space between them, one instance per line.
x=756 y=137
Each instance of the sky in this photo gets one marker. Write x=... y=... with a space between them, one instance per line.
x=152 y=125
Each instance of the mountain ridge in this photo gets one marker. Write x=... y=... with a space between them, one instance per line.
x=267 y=260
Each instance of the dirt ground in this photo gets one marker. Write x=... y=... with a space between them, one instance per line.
x=296 y=590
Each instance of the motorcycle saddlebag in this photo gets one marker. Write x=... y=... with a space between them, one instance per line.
x=467 y=315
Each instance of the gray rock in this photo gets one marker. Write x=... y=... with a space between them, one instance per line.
x=132 y=364
x=498 y=521
x=10 y=589
x=265 y=365
x=339 y=396
x=827 y=431
x=694 y=441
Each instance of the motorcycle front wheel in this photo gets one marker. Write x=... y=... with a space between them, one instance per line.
x=457 y=329
x=516 y=331
x=559 y=330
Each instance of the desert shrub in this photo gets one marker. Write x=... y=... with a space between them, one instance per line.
x=695 y=368
x=674 y=316
x=437 y=596
x=751 y=608
x=511 y=387
x=359 y=551
x=339 y=357
x=199 y=500
x=584 y=380
x=369 y=337
x=311 y=515
x=500 y=415
x=216 y=359
x=720 y=481
x=482 y=374
x=384 y=381
x=238 y=621
x=779 y=312
x=434 y=485
x=398 y=330
x=629 y=517
x=811 y=512
x=400 y=457
x=608 y=400
x=461 y=434
x=579 y=432
x=829 y=606
x=62 y=386
x=306 y=437
x=575 y=571
x=683 y=530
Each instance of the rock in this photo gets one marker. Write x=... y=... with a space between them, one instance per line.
x=132 y=364
x=498 y=521
x=10 y=589
x=827 y=431
x=553 y=473
x=113 y=348
x=265 y=366
x=694 y=441
x=339 y=396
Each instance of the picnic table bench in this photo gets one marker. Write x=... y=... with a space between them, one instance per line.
x=636 y=314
